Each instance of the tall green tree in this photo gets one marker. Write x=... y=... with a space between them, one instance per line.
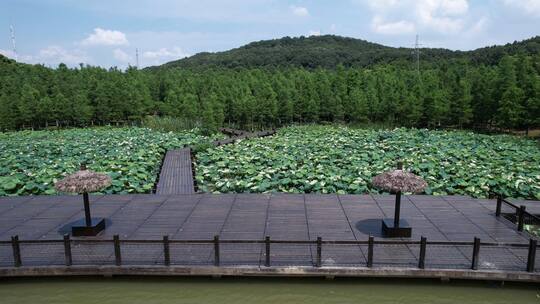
x=510 y=96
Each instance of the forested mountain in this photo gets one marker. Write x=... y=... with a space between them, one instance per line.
x=330 y=51
x=493 y=87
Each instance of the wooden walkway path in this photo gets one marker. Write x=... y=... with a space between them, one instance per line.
x=239 y=134
x=294 y=217
x=176 y=176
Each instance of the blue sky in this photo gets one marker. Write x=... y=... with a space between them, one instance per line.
x=106 y=33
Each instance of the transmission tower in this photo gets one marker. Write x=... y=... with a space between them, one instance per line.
x=416 y=54
x=12 y=31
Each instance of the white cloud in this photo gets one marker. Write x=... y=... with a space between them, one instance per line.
x=164 y=54
x=529 y=6
x=105 y=37
x=442 y=15
x=443 y=24
x=392 y=28
x=300 y=11
x=446 y=7
x=478 y=26
x=57 y=54
x=314 y=33
x=406 y=16
x=50 y=55
x=122 y=56
x=453 y=7
x=382 y=4
x=333 y=28
x=8 y=53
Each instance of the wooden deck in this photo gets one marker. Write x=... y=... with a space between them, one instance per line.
x=254 y=216
x=176 y=176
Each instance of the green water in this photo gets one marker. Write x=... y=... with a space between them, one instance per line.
x=254 y=291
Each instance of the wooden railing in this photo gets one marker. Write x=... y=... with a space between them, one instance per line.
x=118 y=248
x=518 y=215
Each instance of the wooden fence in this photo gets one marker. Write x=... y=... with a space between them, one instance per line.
x=161 y=250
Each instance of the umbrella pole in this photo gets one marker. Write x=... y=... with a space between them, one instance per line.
x=87 y=216
x=397 y=209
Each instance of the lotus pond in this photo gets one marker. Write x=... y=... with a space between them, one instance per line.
x=327 y=159
x=31 y=161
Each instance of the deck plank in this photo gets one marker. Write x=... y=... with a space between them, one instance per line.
x=176 y=175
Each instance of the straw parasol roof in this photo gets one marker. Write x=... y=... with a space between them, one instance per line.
x=83 y=181
x=399 y=181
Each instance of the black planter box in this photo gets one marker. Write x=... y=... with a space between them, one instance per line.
x=79 y=228
x=388 y=229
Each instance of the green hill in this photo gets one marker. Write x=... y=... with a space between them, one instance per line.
x=5 y=60
x=330 y=51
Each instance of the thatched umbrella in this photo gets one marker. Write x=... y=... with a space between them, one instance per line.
x=84 y=181
x=397 y=181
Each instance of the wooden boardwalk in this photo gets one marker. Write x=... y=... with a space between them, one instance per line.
x=240 y=134
x=254 y=216
x=176 y=176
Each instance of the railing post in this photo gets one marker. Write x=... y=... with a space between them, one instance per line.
x=521 y=216
x=499 y=205
x=476 y=252
x=267 y=257
x=319 y=252
x=166 y=251
x=370 y=252
x=117 y=252
x=17 y=262
x=532 y=255
x=216 y=250
x=422 y=256
x=67 y=250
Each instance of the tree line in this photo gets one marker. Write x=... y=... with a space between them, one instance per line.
x=452 y=93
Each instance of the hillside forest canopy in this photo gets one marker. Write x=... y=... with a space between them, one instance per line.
x=457 y=90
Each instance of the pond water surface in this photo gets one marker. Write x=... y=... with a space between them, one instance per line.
x=255 y=290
